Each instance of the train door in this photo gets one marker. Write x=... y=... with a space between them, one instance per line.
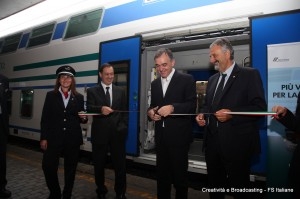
x=201 y=72
x=124 y=54
x=191 y=57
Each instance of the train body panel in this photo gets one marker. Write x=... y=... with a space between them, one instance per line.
x=187 y=28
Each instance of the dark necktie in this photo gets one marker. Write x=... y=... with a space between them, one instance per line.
x=219 y=90
x=212 y=121
x=107 y=96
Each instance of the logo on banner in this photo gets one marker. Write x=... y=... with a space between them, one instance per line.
x=277 y=59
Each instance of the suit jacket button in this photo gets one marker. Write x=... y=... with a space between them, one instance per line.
x=64 y=129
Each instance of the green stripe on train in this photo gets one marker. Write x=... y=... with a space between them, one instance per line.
x=69 y=60
x=45 y=77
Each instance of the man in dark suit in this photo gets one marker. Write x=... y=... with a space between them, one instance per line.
x=61 y=133
x=292 y=122
x=173 y=93
x=4 y=193
x=231 y=140
x=109 y=130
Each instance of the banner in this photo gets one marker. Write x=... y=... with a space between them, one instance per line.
x=283 y=89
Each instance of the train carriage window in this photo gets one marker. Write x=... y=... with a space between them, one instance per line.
x=9 y=101
x=121 y=74
x=11 y=43
x=84 y=24
x=26 y=103
x=41 y=35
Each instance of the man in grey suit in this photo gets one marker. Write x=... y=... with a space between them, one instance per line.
x=109 y=130
x=231 y=140
x=4 y=193
x=173 y=93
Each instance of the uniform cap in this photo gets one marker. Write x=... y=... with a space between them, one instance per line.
x=65 y=70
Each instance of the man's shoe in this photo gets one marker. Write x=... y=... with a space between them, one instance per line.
x=101 y=192
x=122 y=196
x=101 y=196
x=54 y=195
x=4 y=193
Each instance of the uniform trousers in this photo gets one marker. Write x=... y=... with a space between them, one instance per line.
x=50 y=167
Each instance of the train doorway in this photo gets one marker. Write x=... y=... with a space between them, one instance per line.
x=124 y=54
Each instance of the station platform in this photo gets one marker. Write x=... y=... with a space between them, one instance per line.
x=26 y=180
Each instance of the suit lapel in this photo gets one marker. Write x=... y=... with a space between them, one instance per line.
x=101 y=92
x=231 y=79
x=59 y=99
x=71 y=101
x=114 y=96
x=171 y=86
x=214 y=82
x=212 y=89
x=159 y=88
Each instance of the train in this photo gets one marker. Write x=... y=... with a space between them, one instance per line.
x=125 y=33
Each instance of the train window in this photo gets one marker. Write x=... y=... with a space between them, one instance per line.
x=121 y=73
x=83 y=24
x=11 y=43
x=41 y=35
x=9 y=101
x=121 y=70
x=26 y=103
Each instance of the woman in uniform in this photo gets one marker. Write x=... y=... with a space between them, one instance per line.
x=61 y=132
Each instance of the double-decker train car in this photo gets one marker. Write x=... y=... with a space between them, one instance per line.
x=125 y=33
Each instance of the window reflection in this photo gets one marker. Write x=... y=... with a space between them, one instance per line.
x=26 y=103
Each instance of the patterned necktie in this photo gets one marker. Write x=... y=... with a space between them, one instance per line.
x=219 y=91
x=107 y=96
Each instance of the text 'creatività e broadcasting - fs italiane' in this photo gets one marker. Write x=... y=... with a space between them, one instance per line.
x=247 y=190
